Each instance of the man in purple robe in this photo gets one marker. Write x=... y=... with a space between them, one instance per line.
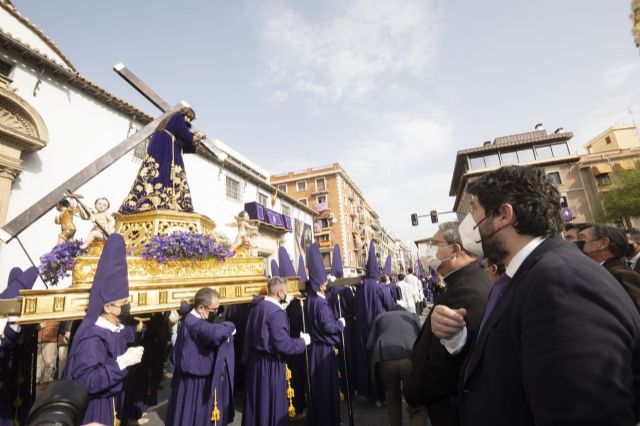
x=343 y=307
x=17 y=347
x=267 y=342
x=98 y=358
x=370 y=301
x=390 y=286
x=201 y=389
x=325 y=331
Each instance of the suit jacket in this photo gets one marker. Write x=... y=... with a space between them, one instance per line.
x=561 y=346
x=392 y=336
x=626 y=276
x=435 y=371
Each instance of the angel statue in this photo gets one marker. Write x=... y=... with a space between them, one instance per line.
x=67 y=208
x=103 y=222
x=246 y=232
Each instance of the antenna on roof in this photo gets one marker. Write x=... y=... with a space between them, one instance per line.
x=632 y=119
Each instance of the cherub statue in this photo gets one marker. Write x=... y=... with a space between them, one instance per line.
x=67 y=208
x=245 y=232
x=103 y=221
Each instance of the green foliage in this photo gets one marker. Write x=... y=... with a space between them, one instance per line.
x=622 y=200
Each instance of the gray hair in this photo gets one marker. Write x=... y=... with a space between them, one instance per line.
x=275 y=285
x=205 y=297
x=618 y=244
x=634 y=236
x=451 y=234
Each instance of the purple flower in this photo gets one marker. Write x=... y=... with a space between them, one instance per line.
x=56 y=264
x=183 y=245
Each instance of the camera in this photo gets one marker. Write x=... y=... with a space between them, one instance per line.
x=62 y=403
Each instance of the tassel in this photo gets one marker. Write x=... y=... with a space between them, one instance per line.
x=116 y=421
x=341 y=396
x=215 y=414
x=290 y=392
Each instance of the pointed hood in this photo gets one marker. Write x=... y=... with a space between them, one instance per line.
x=275 y=270
x=387 y=267
x=286 y=267
x=336 y=262
x=372 y=264
x=302 y=274
x=111 y=281
x=19 y=280
x=317 y=274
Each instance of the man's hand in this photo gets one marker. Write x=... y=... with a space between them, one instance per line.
x=445 y=322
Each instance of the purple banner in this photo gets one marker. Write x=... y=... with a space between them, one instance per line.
x=263 y=214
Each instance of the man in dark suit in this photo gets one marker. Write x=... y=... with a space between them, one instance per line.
x=633 y=258
x=560 y=344
x=435 y=372
x=607 y=245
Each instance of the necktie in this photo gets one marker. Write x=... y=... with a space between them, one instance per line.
x=496 y=292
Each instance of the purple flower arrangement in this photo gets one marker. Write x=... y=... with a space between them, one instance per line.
x=56 y=264
x=183 y=245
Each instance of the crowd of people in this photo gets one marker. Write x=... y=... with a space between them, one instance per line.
x=531 y=321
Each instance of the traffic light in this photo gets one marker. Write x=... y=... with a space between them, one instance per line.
x=434 y=216
x=414 y=219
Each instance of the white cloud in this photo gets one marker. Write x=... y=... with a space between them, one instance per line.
x=619 y=73
x=352 y=51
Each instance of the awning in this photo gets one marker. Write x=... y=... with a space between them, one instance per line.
x=624 y=165
x=600 y=169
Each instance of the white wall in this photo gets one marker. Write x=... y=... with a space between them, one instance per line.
x=80 y=130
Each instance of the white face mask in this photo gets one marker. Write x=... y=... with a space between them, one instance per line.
x=431 y=258
x=470 y=236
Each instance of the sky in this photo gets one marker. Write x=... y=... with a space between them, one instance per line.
x=390 y=89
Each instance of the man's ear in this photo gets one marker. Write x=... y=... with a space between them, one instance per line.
x=106 y=309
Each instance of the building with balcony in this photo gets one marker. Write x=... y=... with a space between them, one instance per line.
x=614 y=150
x=344 y=215
x=552 y=152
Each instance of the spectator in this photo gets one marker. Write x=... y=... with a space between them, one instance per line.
x=390 y=342
x=607 y=245
x=560 y=344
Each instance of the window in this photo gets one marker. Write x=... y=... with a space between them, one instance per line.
x=321 y=199
x=476 y=163
x=141 y=150
x=301 y=186
x=543 y=152
x=323 y=237
x=262 y=199
x=555 y=178
x=509 y=158
x=286 y=210
x=282 y=188
x=525 y=155
x=321 y=185
x=608 y=139
x=233 y=189
x=303 y=201
x=492 y=160
x=560 y=150
x=326 y=223
x=603 y=179
x=5 y=68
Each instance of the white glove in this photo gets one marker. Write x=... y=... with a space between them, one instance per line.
x=3 y=324
x=342 y=321
x=174 y=316
x=306 y=338
x=233 y=333
x=131 y=357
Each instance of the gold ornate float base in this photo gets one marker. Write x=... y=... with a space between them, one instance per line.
x=137 y=229
x=153 y=287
